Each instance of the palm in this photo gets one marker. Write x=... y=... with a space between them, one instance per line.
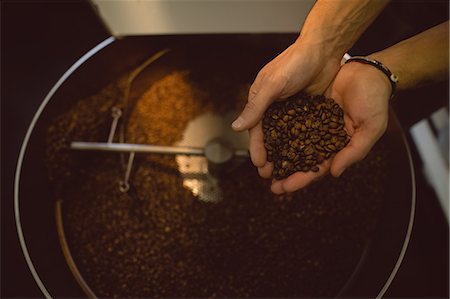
x=363 y=93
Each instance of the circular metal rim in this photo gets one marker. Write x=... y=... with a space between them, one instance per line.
x=405 y=245
x=47 y=99
x=23 y=148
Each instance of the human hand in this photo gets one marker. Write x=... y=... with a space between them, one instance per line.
x=302 y=66
x=363 y=93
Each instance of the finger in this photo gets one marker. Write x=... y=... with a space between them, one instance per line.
x=257 y=104
x=258 y=152
x=356 y=150
x=266 y=170
x=254 y=88
x=277 y=187
x=299 y=180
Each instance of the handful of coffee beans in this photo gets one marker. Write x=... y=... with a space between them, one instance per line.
x=302 y=132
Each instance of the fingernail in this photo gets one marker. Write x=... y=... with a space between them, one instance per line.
x=238 y=123
x=340 y=172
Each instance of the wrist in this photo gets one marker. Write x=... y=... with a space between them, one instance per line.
x=376 y=64
x=321 y=49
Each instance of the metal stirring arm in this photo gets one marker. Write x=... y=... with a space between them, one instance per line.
x=111 y=146
x=146 y=148
x=217 y=152
x=136 y=148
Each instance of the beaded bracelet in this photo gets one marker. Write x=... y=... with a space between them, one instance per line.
x=392 y=77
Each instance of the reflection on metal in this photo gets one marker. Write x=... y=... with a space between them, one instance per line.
x=214 y=133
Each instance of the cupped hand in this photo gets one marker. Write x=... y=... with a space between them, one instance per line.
x=300 y=67
x=363 y=93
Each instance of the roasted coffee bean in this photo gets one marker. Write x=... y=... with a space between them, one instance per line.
x=303 y=129
x=291 y=155
x=308 y=123
x=319 y=147
x=331 y=147
x=333 y=125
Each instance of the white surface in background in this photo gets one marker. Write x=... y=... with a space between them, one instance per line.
x=435 y=163
x=148 y=17
x=440 y=122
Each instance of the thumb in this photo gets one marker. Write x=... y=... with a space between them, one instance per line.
x=356 y=150
x=256 y=105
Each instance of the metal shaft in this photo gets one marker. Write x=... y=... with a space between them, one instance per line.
x=137 y=148
x=146 y=148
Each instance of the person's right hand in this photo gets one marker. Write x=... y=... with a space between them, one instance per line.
x=302 y=66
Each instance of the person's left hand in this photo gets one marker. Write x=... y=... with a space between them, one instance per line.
x=363 y=92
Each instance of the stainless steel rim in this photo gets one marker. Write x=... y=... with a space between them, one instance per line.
x=410 y=224
x=23 y=148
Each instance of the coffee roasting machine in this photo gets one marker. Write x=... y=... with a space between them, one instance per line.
x=144 y=190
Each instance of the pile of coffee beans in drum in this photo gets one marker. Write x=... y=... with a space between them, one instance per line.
x=302 y=132
x=161 y=240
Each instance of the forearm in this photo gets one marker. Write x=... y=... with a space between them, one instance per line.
x=420 y=59
x=335 y=25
